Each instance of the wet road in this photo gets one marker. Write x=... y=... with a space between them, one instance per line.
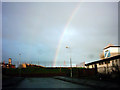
x=47 y=83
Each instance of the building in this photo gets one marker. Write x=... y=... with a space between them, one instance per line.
x=25 y=65
x=82 y=64
x=10 y=61
x=111 y=51
x=8 y=65
x=109 y=60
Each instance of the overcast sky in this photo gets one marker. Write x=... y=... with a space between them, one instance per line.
x=35 y=30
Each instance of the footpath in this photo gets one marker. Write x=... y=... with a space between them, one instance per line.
x=92 y=83
x=11 y=81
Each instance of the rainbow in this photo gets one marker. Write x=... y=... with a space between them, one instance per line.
x=64 y=30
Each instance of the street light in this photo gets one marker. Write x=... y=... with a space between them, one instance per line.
x=70 y=62
x=19 y=64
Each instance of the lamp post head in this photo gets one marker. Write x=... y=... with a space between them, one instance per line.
x=67 y=47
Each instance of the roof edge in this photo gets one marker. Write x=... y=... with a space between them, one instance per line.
x=114 y=57
x=110 y=46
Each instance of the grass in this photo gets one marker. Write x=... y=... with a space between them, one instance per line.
x=41 y=71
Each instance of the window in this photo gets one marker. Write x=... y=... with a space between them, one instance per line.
x=100 y=63
x=119 y=61
x=112 y=62
x=107 y=53
x=116 y=61
x=106 y=62
x=92 y=66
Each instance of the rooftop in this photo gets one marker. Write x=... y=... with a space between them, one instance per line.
x=110 y=45
x=102 y=60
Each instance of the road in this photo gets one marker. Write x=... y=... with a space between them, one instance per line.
x=47 y=83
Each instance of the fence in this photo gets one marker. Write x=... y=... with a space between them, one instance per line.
x=83 y=72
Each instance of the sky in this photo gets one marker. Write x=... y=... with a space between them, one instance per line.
x=41 y=31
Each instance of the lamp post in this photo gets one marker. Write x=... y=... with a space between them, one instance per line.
x=19 y=64
x=70 y=62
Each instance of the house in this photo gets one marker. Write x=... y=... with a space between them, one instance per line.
x=109 y=60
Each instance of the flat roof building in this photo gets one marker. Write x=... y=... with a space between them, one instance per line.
x=109 y=60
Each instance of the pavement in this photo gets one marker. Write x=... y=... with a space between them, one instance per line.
x=6 y=82
x=92 y=83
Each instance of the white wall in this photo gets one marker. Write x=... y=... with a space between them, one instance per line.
x=113 y=51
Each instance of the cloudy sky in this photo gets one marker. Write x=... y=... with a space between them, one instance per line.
x=41 y=31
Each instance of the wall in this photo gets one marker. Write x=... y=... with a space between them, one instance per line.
x=113 y=51
x=106 y=67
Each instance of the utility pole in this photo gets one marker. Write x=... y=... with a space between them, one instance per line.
x=70 y=62
x=71 y=66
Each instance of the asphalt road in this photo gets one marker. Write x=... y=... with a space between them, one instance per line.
x=47 y=83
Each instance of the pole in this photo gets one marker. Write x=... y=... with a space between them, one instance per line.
x=60 y=68
x=71 y=66
x=70 y=62
x=20 y=64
